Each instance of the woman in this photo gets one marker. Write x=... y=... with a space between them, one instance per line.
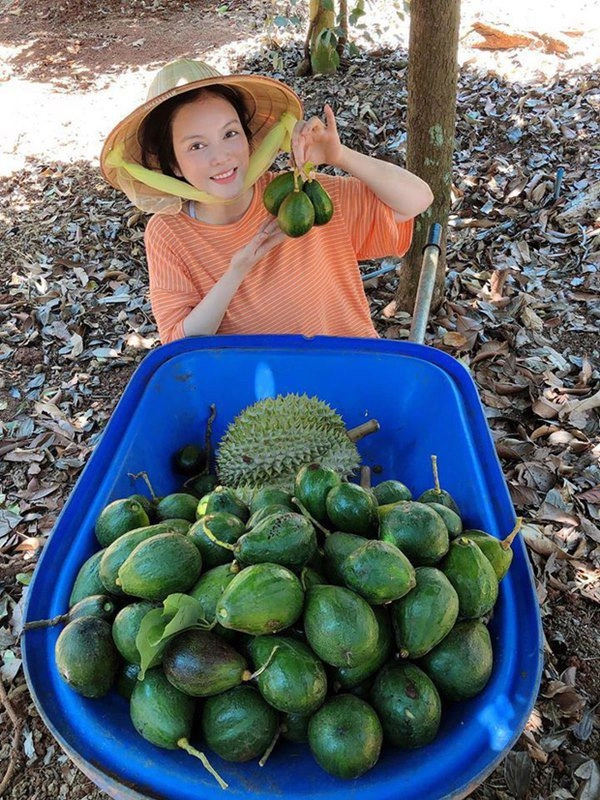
x=218 y=262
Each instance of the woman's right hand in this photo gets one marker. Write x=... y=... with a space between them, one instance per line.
x=268 y=236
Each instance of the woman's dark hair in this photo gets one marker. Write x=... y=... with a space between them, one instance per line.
x=155 y=132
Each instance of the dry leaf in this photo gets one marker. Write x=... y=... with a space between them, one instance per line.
x=454 y=339
x=539 y=543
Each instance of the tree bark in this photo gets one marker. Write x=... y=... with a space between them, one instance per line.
x=431 y=118
x=320 y=19
x=343 y=25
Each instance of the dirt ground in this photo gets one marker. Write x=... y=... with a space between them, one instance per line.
x=69 y=71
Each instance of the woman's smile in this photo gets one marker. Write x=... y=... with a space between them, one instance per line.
x=225 y=177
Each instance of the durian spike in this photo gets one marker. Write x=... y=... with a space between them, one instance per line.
x=360 y=431
x=506 y=543
x=275 y=140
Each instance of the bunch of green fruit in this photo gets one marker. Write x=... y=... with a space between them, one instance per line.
x=338 y=615
x=298 y=204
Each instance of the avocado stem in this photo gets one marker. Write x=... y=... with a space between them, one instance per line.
x=146 y=479
x=270 y=748
x=185 y=745
x=360 y=431
x=365 y=477
x=45 y=623
x=306 y=513
x=213 y=538
x=265 y=665
x=208 y=435
x=507 y=543
x=436 y=477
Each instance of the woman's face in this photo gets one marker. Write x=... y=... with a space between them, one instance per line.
x=210 y=146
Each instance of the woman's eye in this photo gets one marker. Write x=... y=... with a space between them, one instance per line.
x=196 y=146
x=231 y=134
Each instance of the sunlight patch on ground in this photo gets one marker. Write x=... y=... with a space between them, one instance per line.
x=40 y=120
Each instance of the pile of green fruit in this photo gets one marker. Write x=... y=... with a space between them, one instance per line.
x=298 y=204
x=337 y=615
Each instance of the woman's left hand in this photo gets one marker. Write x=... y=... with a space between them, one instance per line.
x=316 y=141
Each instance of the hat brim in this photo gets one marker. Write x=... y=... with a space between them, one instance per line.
x=265 y=98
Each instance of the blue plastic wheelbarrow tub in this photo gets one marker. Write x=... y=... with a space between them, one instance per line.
x=426 y=403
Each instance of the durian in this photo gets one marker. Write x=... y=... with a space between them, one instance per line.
x=268 y=442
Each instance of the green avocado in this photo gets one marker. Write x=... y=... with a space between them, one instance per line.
x=189 y=459
x=223 y=498
x=159 y=566
x=277 y=190
x=239 y=724
x=179 y=505
x=351 y=677
x=353 y=509
x=311 y=486
x=161 y=713
x=408 y=705
x=499 y=555
x=461 y=664
x=296 y=214
x=294 y=679
x=270 y=496
x=378 y=571
x=125 y=628
x=416 y=529
x=224 y=527
x=284 y=538
x=336 y=548
x=116 y=553
x=345 y=736
x=320 y=199
x=87 y=581
x=262 y=598
x=473 y=577
x=340 y=626
x=86 y=656
x=117 y=518
x=424 y=616
x=391 y=491
x=201 y=664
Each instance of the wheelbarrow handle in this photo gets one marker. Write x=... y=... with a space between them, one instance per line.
x=431 y=254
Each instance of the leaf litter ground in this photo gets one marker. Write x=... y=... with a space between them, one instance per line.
x=521 y=311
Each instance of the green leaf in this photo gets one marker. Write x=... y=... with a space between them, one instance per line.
x=24 y=577
x=179 y=613
x=183 y=612
x=280 y=21
x=149 y=640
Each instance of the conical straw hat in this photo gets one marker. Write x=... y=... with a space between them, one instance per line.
x=266 y=99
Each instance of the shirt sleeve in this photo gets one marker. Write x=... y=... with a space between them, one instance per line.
x=172 y=291
x=371 y=225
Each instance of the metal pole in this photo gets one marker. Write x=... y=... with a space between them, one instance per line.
x=431 y=253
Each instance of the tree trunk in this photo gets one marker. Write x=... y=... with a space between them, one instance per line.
x=343 y=25
x=432 y=78
x=321 y=17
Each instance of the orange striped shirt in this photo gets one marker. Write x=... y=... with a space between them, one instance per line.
x=310 y=285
